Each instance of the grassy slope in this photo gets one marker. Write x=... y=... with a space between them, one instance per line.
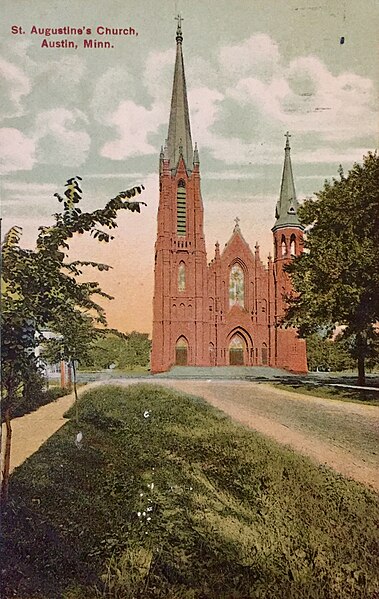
x=232 y=514
x=356 y=432
x=366 y=397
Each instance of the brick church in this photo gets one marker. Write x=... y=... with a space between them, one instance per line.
x=226 y=312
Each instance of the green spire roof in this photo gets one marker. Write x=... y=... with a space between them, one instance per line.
x=286 y=207
x=179 y=131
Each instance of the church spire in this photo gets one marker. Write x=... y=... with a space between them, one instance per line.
x=179 y=130
x=286 y=207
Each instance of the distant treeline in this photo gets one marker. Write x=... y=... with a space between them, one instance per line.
x=121 y=351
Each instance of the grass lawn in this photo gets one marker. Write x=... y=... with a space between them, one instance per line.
x=167 y=498
x=367 y=397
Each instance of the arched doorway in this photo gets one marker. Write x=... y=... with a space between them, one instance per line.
x=181 y=352
x=237 y=347
x=264 y=354
x=212 y=358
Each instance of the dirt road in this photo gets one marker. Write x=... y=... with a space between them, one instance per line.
x=342 y=435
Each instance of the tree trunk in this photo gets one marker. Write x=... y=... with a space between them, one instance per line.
x=361 y=371
x=361 y=350
x=7 y=455
x=75 y=392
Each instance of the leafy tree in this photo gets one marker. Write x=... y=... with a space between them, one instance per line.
x=121 y=349
x=327 y=354
x=336 y=279
x=41 y=288
x=138 y=350
x=108 y=349
x=76 y=332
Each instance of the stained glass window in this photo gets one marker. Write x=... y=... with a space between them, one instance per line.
x=236 y=286
x=181 y=277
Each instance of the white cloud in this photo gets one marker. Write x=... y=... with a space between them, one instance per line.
x=112 y=87
x=115 y=176
x=17 y=151
x=16 y=84
x=158 y=74
x=133 y=124
x=61 y=137
x=241 y=117
x=258 y=56
x=33 y=188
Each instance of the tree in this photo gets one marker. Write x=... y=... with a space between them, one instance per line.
x=328 y=354
x=124 y=350
x=42 y=289
x=137 y=350
x=336 y=279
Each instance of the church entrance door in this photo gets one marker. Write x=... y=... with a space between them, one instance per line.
x=237 y=348
x=181 y=352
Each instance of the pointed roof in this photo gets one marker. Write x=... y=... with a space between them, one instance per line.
x=286 y=207
x=179 y=131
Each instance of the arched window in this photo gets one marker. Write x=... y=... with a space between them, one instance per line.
x=236 y=286
x=181 y=277
x=284 y=246
x=293 y=245
x=181 y=208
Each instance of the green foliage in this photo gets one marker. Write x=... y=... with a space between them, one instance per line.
x=122 y=350
x=42 y=289
x=336 y=279
x=233 y=514
x=29 y=402
x=325 y=354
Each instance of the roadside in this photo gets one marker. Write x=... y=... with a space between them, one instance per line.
x=30 y=431
x=341 y=435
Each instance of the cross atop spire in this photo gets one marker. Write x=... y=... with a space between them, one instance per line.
x=286 y=207
x=237 y=226
x=179 y=35
x=179 y=141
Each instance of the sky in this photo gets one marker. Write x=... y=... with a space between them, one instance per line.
x=254 y=70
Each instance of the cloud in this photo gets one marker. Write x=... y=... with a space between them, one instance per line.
x=29 y=188
x=133 y=124
x=115 y=176
x=258 y=57
x=16 y=84
x=61 y=137
x=17 y=151
x=110 y=89
x=158 y=74
x=242 y=115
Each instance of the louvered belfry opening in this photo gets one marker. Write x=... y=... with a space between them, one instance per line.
x=181 y=209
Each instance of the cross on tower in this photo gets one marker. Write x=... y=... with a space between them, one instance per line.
x=287 y=136
x=179 y=36
x=236 y=220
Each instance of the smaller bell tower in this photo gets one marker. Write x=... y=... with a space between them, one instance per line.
x=288 y=232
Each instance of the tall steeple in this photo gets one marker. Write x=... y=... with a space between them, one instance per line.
x=179 y=131
x=286 y=207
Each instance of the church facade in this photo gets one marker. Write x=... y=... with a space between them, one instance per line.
x=226 y=312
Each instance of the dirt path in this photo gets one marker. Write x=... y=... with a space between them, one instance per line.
x=247 y=403
x=342 y=435
x=30 y=431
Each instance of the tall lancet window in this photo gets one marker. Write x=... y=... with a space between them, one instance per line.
x=293 y=245
x=181 y=208
x=284 y=246
x=236 y=286
x=182 y=277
